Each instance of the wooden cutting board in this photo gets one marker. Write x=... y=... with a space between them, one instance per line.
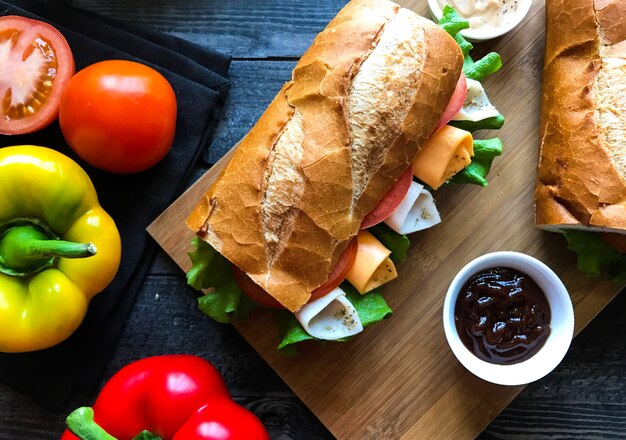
x=399 y=379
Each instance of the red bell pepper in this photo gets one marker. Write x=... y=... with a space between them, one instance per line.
x=171 y=397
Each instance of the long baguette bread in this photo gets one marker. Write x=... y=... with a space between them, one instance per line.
x=362 y=100
x=581 y=180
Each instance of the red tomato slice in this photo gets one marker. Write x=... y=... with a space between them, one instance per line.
x=456 y=102
x=390 y=201
x=253 y=290
x=346 y=260
x=35 y=65
x=256 y=293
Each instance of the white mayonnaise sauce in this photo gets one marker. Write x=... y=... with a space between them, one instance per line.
x=486 y=15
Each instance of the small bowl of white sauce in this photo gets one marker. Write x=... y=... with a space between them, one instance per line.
x=488 y=19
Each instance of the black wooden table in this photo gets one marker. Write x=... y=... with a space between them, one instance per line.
x=585 y=397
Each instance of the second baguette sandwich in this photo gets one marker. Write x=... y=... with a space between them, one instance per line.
x=582 y=167
x=362 y=101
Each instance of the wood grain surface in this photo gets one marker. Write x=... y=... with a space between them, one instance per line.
x=399 y=379
x=584 y=398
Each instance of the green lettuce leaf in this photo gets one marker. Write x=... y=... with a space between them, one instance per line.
x=595 y=256
x=494 y=123
x=210 y=270
x=481 y=69
x=452 y=23
x=485 y=150
x=371 y=308
x=465 y=46
x=201 y=260
x=398 y=244
x=292 y=332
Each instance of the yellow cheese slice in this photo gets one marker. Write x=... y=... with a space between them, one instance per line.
x=446 y=153
x=372 y=266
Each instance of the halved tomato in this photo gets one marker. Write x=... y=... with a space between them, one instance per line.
x=256 y=293
x=456 y=102
x=390 y=201
x=35 y=65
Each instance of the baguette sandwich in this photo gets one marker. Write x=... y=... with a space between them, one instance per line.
x=367 y=107
x=581 y=182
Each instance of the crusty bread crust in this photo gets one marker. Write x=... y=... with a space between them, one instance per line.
x=579 y=182
x=611 y=17
x=291 y=250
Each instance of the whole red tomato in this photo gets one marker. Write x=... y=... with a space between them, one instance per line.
x=119 y=116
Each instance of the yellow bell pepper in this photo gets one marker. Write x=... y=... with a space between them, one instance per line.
x=58 y=247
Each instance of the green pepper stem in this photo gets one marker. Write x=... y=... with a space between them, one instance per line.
x=27 y=248
x=81 y=423
x=147 y=435
x=55 y=248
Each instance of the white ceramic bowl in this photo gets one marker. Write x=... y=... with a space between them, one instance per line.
x=485 y=34
x=562 y=321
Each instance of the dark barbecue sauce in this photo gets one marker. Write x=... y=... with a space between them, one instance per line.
x=502 y=316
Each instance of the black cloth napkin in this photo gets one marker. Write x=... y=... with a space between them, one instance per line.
x=69 y=372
